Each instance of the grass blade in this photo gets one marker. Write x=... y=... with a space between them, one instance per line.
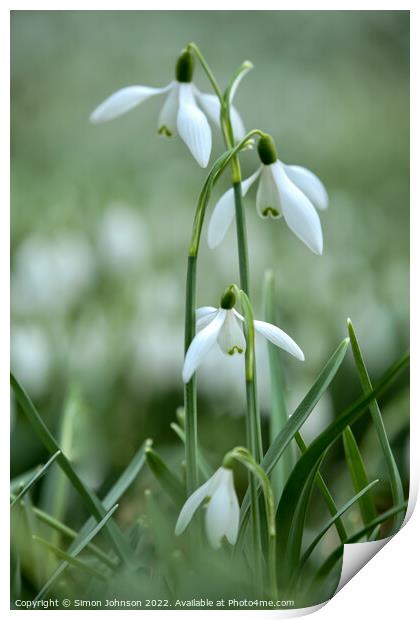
x=325 y=492
x=68 y=532
x=115 y=493
x=55 y=488
x=41 y=472
x=278 y=411
x=308 y=463
x=68 y=558
x=91 y=501
x=331 y=522
x=331 y=561
x=19 y=481
x=393 y=473
x=75 y=552
x=295 y=422
x=169 y=482
x=358 y=475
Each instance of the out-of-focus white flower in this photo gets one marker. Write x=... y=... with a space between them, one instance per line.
x=123 y=237
x=180 y=112
x=222 y=509
x=283 y=190
x=31 y=357
x=51 y=274
x=221 y=326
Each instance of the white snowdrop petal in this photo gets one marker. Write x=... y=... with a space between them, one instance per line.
x=299 y=213
x=191 y=505
x=193 y=126
x=268 y=198
x=224 y=213
x=204 y=316
x=122 y=101
x=238 y=126
x=234 y=517
x=201 y=345
x=221 y=218
x=169 y=113
x=231 y=338
x=309 y=184
x=210 y=104
x=279 y=338
x=218 y=514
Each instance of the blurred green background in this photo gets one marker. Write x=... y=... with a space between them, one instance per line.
x=101 y=218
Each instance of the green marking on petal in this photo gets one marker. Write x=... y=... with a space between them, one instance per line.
x=235 y=349
x=164 y=131
x=270 y=211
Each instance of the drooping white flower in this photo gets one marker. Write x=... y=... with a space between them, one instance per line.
x=221 y=326
x=290 y=191
x=222 y=509
x=180 y=112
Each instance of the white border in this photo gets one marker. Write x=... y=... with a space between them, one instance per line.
x=388 y=585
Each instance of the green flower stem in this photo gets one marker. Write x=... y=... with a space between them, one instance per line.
x=190 y=396
x=190 y=390
x=257 y=473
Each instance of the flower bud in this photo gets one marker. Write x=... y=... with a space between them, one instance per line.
x=184 y=67
x=228 y=299
x=267 y=150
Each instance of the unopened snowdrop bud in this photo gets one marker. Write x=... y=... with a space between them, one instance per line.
x=184 y=67
x=267 y=150
x=222 y=508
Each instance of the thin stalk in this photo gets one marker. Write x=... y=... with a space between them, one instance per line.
x=190 y=391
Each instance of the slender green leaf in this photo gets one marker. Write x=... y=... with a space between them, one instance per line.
x=116 y=492
x=63 y=529
x=295 y=422
x=375 y=412
x=279 y=415
x=35 y=479
x=375 y=533
x=69 y=559
x=331 y=561
x=358 y=474
x=331 y=522
x=55 y=487
x=19 y=481
x=81 y=545
x=92 y=503
x=308 y=463
x=322 y=486
x=205 y=468
x=169 y=482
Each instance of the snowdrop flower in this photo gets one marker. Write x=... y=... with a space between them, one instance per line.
x=180 y=112
x=222 y=509
x=291 y=191
x=221 y=326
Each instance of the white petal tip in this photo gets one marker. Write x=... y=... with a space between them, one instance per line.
x=186 y=376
